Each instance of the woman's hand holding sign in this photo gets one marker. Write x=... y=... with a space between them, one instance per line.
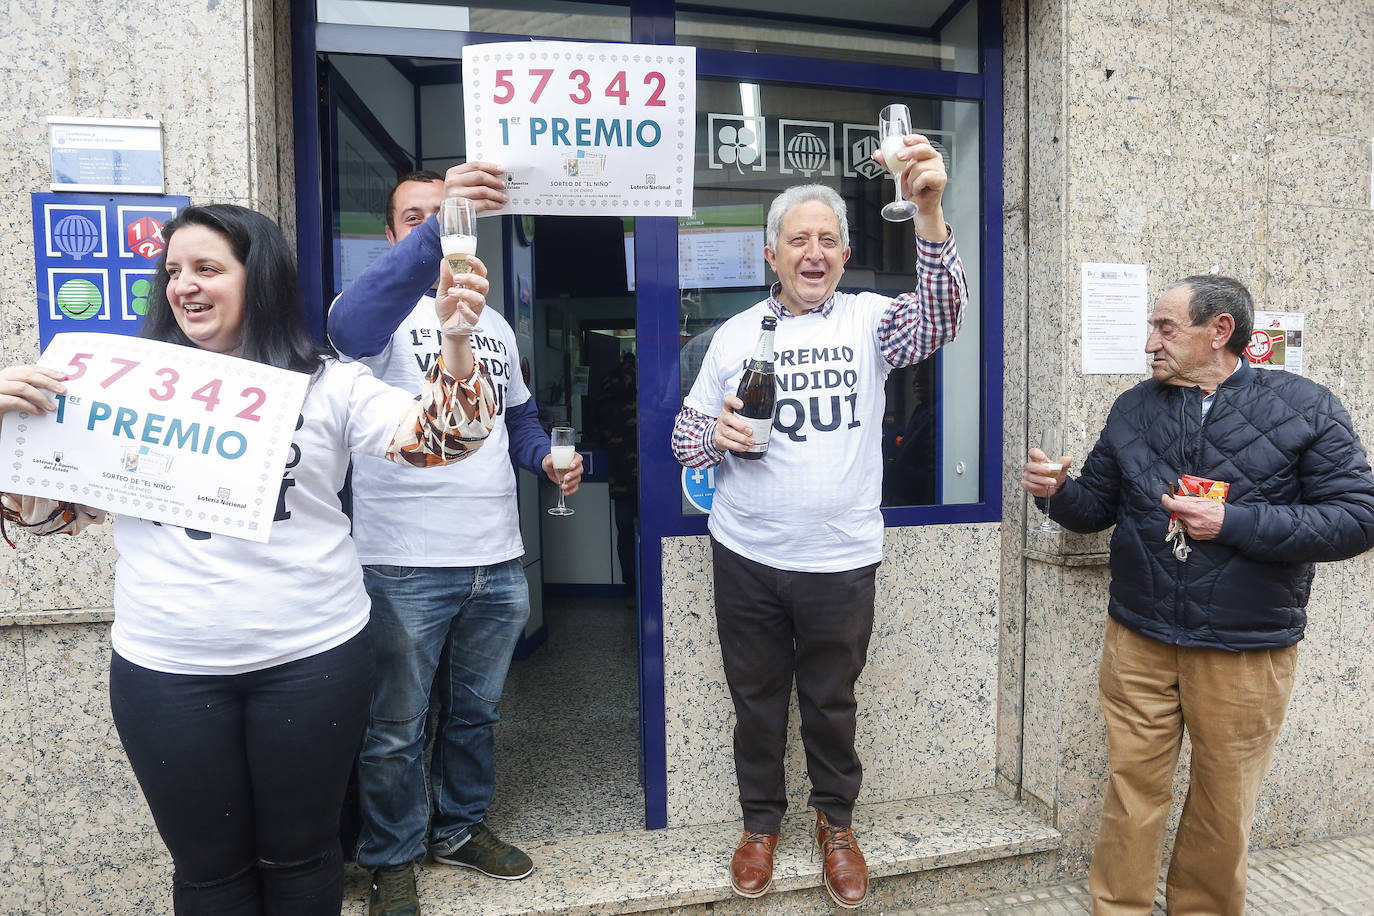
x=27 y=388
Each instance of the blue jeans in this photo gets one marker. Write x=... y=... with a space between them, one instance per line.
x=477 y=613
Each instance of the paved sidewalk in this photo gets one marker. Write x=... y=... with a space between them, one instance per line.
x=1330 y=877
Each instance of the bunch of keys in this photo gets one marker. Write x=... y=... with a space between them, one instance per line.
x=1176 y=536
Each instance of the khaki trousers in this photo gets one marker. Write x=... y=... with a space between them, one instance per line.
x=1232 y=704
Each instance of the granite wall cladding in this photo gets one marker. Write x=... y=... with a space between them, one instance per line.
x=75 y=834
x=927 y=699
x=1228 y=136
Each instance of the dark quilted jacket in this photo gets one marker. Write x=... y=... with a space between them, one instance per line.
x=1301 y=493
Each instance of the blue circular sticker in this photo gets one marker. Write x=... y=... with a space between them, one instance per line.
x=699 y=486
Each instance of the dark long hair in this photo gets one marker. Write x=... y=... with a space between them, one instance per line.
x=274 y=330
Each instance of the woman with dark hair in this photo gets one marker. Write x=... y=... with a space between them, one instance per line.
x=241 y=672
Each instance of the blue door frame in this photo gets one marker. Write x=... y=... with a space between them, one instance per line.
x=652 y=22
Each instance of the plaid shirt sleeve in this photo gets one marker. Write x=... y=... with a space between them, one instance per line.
x=434 y=429
x=693 y=432
x=917 y=323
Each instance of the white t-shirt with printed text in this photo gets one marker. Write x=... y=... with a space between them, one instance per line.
x=811 y=503
x=190 y=602
x=464 y=514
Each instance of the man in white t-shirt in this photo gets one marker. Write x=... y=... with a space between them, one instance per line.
x=796 y=537
x=446 y=610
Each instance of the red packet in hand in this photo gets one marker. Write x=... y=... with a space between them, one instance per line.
x=1188 y=485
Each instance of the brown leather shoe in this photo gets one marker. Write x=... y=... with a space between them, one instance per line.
x=751 y=867
x=846 y=872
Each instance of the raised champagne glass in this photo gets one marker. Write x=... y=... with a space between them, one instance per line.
x=458 y=236
x=563 y=450
x=894 y=123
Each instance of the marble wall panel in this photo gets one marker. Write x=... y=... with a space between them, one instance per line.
x=87 y=796
x=1315 y=170
x=1321 y=45
x=926 y=699
x=58 y=572
x=1047 y=315
x=1218 y=52
x=1014 y=176
x=1330 y=113
x=1171 y=257
x=21 y=854
x=1042 y=714
x=264 y=82
x=1080 y=620
x=1294 y=801
x=1045 y=98
x=1215 y=171
x=1352 y=753
x=1116 y=121
x=98 y=891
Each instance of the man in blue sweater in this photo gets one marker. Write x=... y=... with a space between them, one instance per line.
x=1209 y=590
x=462 y=600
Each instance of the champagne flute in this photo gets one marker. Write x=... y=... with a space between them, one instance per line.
x=1052 y=444
x=458 y=236
x=564 y=448
x=894 y=123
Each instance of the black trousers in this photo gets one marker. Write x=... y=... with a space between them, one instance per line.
x=245 y=776
x=775 y=626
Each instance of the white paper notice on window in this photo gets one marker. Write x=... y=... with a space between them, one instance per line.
x=1114 y=319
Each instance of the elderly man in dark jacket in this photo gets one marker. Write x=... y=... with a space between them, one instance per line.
x=1204 y=627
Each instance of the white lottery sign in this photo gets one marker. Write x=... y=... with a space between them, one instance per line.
x=585 y=128
x=159 y=431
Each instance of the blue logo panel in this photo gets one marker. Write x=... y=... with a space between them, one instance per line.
x=94 y=259
x=699 y=486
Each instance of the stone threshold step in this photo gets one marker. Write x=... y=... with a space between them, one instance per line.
x=643 y=870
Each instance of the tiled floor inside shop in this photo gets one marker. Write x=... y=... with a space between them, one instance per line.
x=567 y=748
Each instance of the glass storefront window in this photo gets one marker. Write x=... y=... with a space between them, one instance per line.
x=754 y=140
x=543 y=18
x=931 y=34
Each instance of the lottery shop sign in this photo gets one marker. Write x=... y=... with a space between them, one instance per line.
x=159 y=431
x=94 y=257
x=585 y=128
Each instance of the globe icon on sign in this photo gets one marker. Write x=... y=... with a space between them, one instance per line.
x=79 y=299
x=806 y=153
x=76 y=235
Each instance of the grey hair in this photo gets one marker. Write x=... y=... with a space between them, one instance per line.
x=1212 y=295
x=801 y=194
